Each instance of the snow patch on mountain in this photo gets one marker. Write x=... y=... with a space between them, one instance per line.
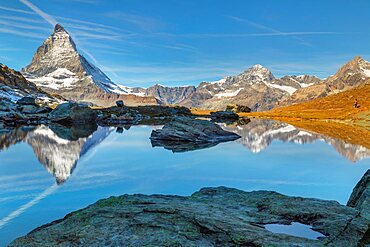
x=228 y=93
x=288 y=89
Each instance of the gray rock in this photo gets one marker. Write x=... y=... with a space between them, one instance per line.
x=68 y=113
x=211 y=217
x=360 y=197
x=184 y=129
x=26 y=101
x=224 y=116
x=29 y=109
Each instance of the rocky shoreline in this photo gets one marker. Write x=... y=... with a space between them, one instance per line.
x=210 y=217
x=27 y=112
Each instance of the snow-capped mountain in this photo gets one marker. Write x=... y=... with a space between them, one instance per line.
x=58 y=67
x=352 y=74
x=256 y=87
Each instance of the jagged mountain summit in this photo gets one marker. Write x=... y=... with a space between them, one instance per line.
x=58 y=67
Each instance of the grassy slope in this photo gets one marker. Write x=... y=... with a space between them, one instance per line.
x=336 y=106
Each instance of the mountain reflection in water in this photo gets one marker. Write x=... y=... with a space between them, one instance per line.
x=59 y=148
x=258 y=134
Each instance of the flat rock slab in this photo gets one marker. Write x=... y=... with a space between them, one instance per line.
x=182 y=130
x=211 y=217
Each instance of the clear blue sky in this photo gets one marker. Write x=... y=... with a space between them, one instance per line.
x=175 y=42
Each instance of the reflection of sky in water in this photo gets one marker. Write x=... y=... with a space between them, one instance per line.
x=126 y=163
x=294 y=229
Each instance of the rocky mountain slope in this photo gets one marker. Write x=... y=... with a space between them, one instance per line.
x=14 y=86
x=354 y=73
x=57 y=67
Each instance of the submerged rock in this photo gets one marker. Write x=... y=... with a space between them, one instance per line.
x=190 y=132
x=210 y=217
x=69 y=113
x=224 y=116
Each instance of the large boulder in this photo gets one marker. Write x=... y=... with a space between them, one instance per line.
x=210 y=217
x=224 y=116
x=185 y=129
x=72 y=113
x=360 y=197
x=188 y=130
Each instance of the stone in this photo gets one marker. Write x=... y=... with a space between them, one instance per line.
x=185 y=129
x=29 y=109
x=224 y=116
x=210 y=217
x=72 y=113
x=120 y=103
x=242 y=108
x=360 y=197
x=26 y=101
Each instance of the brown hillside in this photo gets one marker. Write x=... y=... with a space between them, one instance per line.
x=336 y=106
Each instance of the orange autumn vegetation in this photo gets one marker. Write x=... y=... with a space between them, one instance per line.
x=338 y=106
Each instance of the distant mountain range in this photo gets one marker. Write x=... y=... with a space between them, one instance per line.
x=57 y=68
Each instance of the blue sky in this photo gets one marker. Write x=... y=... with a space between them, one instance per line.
x=176 y=42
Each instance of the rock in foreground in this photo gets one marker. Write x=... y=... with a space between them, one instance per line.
x=188 y=130
x=69 y=113
x=360 y=197
x=211 y=217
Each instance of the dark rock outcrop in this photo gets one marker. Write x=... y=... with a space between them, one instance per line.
x=69 y=113
x=360 y=197
x=211 y=217
x=120 y=103
x=185 y=130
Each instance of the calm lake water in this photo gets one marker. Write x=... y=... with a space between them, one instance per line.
x=44 y=175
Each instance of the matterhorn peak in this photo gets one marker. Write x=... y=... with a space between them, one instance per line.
x=59 y=28
x=258 y=66
x=57 y=65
